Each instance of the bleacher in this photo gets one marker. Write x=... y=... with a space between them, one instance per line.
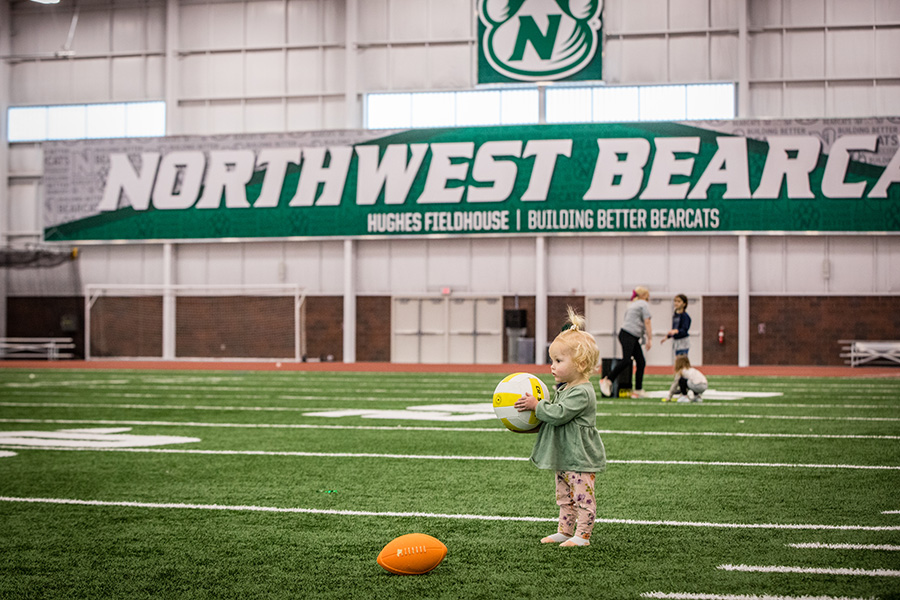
x=870 y=352
x=36 y=347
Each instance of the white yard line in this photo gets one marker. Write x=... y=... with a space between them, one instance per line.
x=698 y=463
x=746 y=416
x=363 y=513
x=444 y=429
x=690 y=596
x=820 y=546
x=811 y=570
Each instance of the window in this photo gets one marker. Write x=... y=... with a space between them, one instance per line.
x=86 y=121
x=452 y=109
x=564 y=104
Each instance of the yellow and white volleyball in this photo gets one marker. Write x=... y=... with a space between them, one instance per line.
x=510 y=389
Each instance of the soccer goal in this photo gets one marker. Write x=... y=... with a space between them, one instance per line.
x=195 y=322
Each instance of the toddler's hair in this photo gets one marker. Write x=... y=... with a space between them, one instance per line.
x=682 y=362
x=582 y=344
x=683 y=298
x=639 y=292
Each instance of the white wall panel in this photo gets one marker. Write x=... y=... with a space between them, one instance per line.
x=887 y=279
x=408 y=266
x=92 y=32
x=688 y=269
x=194 y=81
x=265 y=23
x=723 y=62
x=450 y=67
x=802 y=12
x=851 y=265
x=723 y=265
x=643 y=60
x=689 y=58
x=224 y=116
x=450 y=19
x=120 y=264
x=128 y=78
x=490 y=266
x=765 y=55
x=263 y=116
x=408 y=19
x=408 y=67
x=804 y=257
x=304 y=71
x=226 y=25
x=851 y=99
x=851 y=53
x=642 y=15
x=602 y=265
x=804 y=53
x=565 y=265
x=22 y=208
x=193 y=32
x=333 y=70
x=374 y=69
x=887 y=42
x=804 y=100
x=129 y=32
x=644 y=263
x=264 y=73
x=226 y=75
x=766 y=264
x=448 y=265
x=373 y=270
x=26 y=159
x=688 y=14
x=90 y=80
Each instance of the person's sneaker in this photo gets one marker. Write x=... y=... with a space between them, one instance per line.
x=683 y=399
x=690 y=395
x=638 y=394
x=605 y=387
x=697 y=398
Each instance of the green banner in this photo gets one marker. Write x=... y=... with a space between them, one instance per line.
x=715 y=177
x=539 y=40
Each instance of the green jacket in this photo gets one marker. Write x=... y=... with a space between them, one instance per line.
x=568 y=439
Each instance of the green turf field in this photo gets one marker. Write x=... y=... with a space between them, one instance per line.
x=185 y=484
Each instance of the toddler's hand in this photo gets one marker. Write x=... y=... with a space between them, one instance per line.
x=526 y=402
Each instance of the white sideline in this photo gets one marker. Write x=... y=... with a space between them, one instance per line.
x=687 y=596
x=360 y=513
x=820 y=546
x=810 y=570
x=86 y=448
x=443 y=429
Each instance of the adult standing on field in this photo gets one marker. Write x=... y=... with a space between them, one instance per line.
x=635 y=327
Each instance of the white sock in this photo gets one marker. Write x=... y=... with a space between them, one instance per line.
x=579 y=541
x=557 y=537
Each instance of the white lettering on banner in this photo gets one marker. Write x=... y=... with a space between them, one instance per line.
x=405 y=222
x=228 y=172
x=395 y=173
x=313 y=172
x=443 y=170
x=174 y=181
x=665 y=165
x=833 y=184
x=502 y=173
x=781 y=166
x=123 y=179
x=453 y=222
x=729 y=166
x=545 y=153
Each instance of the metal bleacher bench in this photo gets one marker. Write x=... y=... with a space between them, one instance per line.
x=861 y=352
x=36 y=347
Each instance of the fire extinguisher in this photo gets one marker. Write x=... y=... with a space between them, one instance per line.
x=721 y=335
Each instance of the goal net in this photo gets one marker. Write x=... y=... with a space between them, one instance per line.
x=195 y=322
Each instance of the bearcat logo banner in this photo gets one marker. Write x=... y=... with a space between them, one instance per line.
x=697 y=177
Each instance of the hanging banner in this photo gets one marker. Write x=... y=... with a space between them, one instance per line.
x=697 y=177
x=539 y=40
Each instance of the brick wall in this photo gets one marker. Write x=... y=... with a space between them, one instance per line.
x=373 y=328
x=798 y=330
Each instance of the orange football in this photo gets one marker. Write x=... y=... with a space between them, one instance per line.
x=412 y=554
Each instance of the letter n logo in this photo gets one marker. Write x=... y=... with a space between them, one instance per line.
x=539 y=40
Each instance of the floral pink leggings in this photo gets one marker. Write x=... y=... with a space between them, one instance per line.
x=577 y=504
